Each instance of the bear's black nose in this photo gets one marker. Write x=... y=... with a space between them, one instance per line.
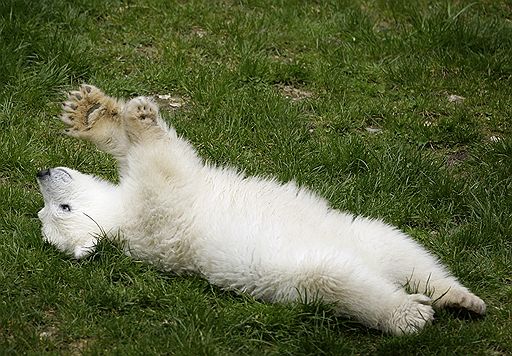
x=43 y=173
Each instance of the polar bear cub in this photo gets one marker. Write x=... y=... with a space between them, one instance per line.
x=277 y=242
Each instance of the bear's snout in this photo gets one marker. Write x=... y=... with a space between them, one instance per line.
x=59 y=174
x=43 y=173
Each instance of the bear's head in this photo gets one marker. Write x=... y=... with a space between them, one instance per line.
x=76 y=209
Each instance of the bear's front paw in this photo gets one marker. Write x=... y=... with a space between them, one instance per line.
x=142 y=120
x=85 y=108
x=142 y=110
x=411 y=316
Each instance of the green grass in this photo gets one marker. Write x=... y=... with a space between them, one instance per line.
x=440 y=170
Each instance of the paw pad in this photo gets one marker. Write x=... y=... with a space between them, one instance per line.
x=141 y=109
x=82 y=108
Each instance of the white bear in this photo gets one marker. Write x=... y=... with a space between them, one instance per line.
x=277 y=242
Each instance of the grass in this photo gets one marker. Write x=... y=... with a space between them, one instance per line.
x=350 y=98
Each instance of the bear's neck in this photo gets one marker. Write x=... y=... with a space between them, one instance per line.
x=110 y=215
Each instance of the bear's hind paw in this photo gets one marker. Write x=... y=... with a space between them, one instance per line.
x=411 y=316
x=461 y=298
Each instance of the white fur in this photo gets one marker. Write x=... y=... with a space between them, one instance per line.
x=277 y=242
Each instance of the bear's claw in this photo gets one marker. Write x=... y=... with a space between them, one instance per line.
x=84 y=108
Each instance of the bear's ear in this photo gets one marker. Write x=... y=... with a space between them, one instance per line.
x=85 y=250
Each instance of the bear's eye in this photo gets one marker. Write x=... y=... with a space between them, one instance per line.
x=65 y=207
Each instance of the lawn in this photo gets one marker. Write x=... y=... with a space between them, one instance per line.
x=398 y=110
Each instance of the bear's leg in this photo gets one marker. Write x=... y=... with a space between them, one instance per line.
x=93 y=116
x=376 y=302
x=429 y=277
x=155 y=146
x=353 y=290
x=403 y=261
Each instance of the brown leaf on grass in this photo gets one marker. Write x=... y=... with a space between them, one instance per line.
x=373 y=130
x=169 y=102
x=457 y=99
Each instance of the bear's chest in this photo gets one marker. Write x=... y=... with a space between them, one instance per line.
x=160 y=233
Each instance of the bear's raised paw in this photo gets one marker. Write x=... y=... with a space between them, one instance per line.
x=141 y=109
x=85 y=108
